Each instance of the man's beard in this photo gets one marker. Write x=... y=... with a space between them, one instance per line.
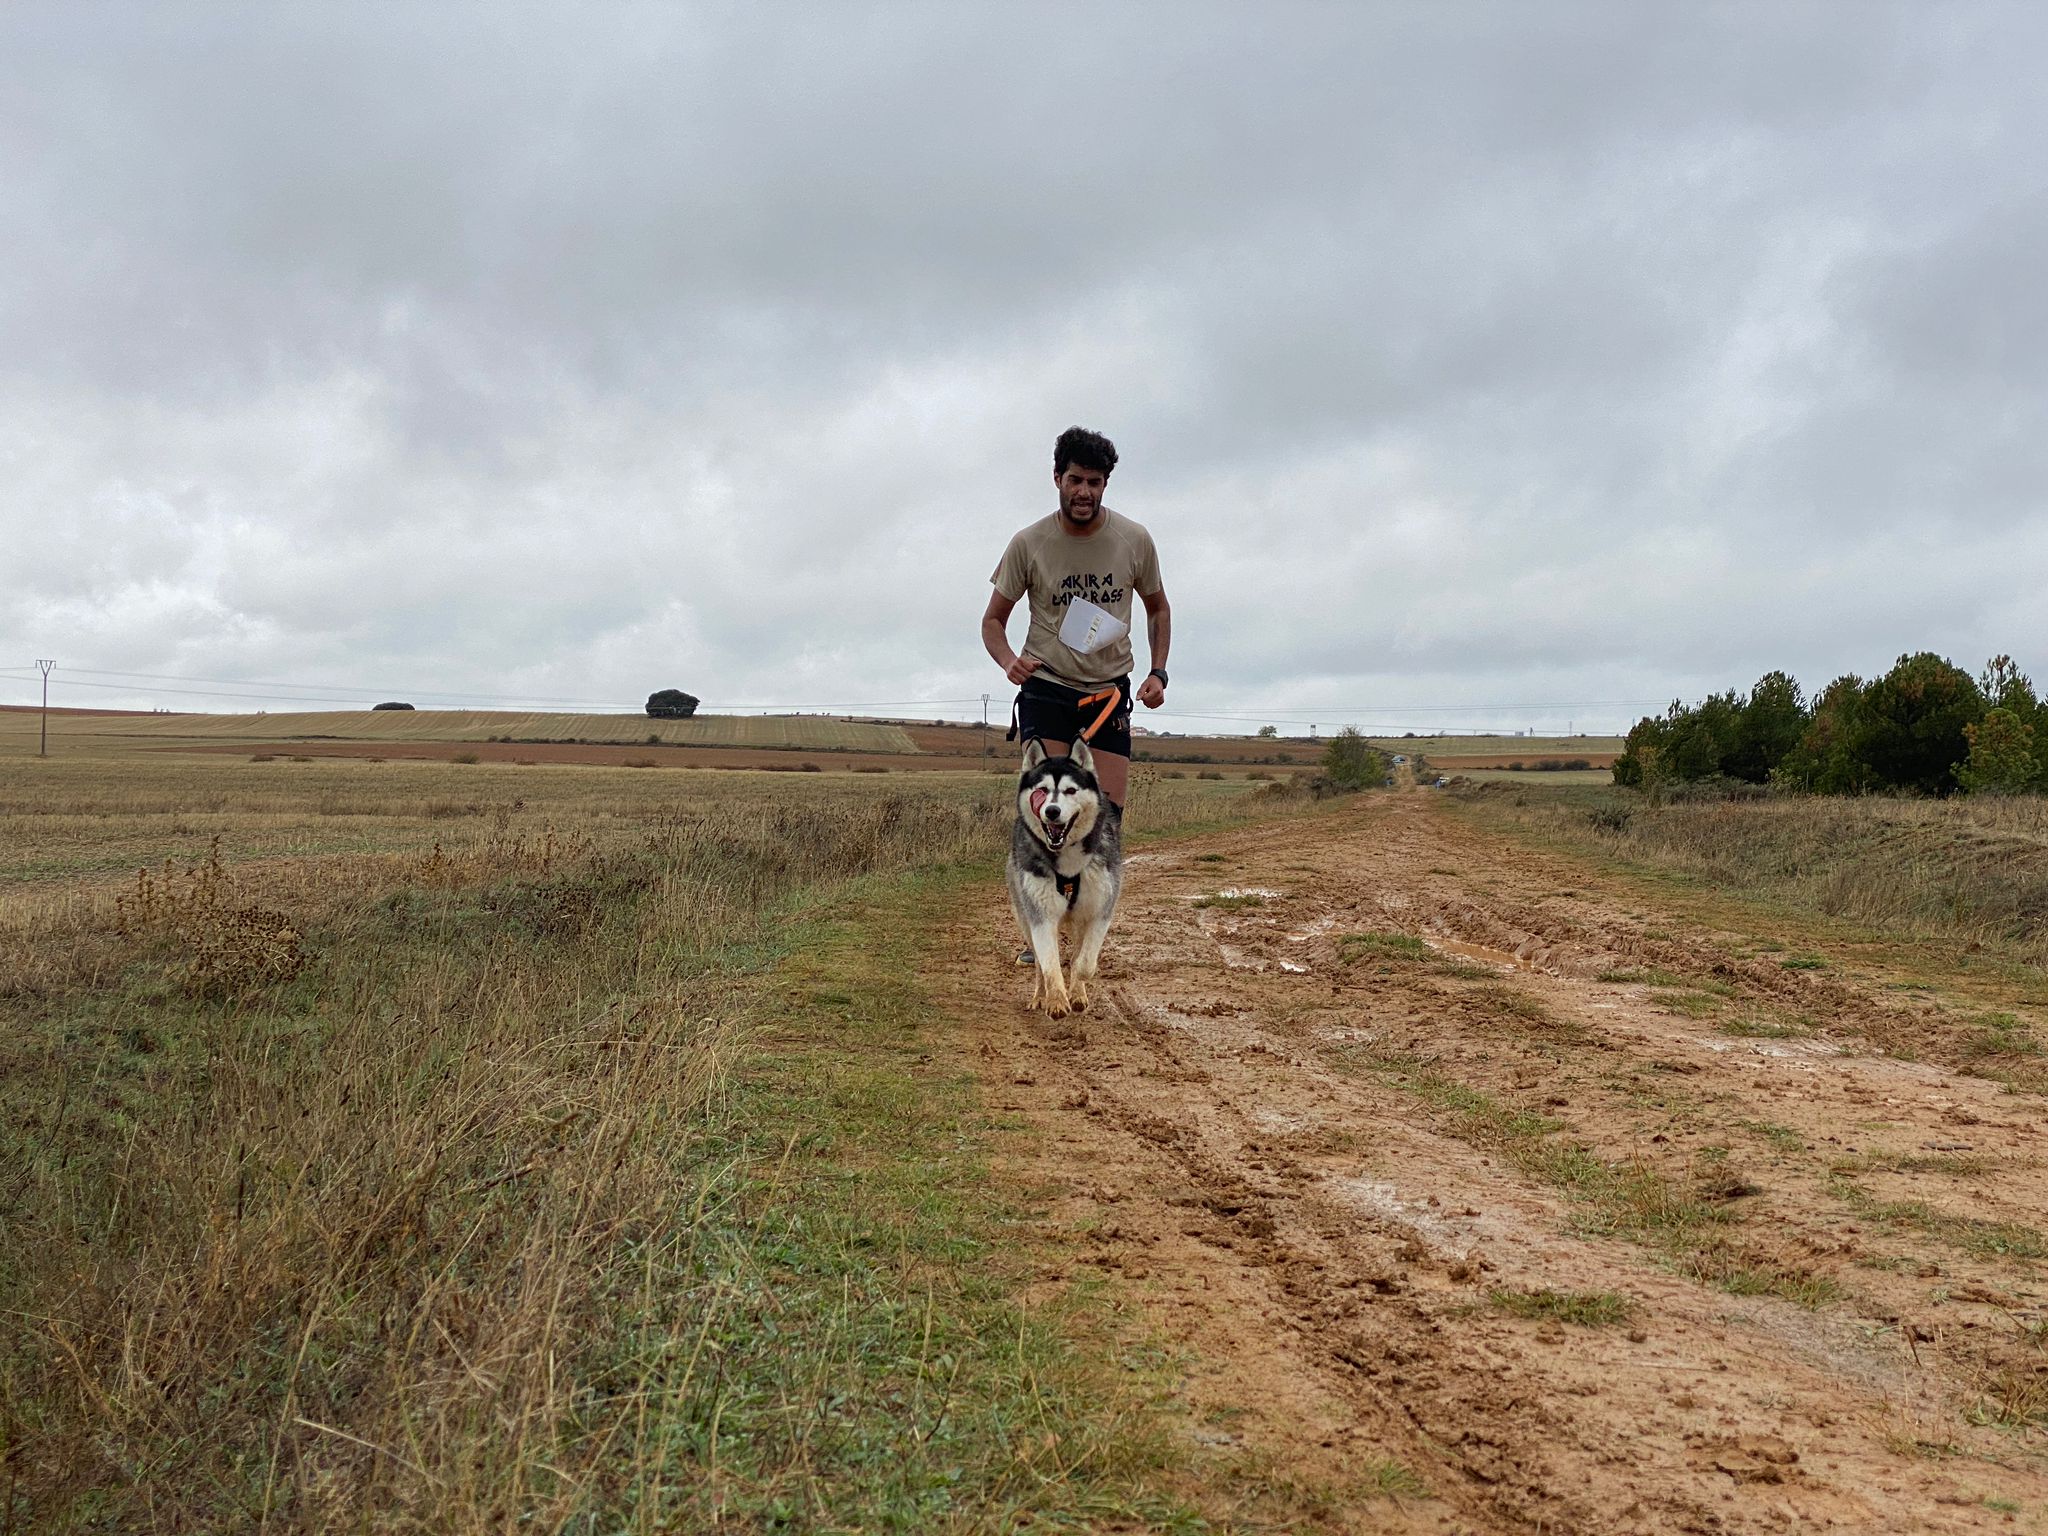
x=1083 y=515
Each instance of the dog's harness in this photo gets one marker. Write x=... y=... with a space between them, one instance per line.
x=1069 y=886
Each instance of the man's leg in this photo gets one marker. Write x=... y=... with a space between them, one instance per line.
x=1113 y=773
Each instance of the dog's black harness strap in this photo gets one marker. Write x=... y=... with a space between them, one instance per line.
x=1069 y=886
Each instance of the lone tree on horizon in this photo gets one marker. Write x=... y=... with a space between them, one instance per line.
x=672 y=704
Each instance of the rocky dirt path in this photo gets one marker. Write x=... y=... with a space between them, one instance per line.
x=1443 y=1155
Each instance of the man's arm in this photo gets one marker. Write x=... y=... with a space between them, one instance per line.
x=995 y=639
x=1159 y=634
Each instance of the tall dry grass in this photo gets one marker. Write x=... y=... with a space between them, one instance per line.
x=1973 y=869
x=357 y=1191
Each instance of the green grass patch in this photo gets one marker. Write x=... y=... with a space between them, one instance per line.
x=1656 y=976
x=1518 y=1005
x=1781 y=1138
x=1803 y=963
x=875 y=1360
x=1985 y=1239
x=2001 y=1036
x=1390 y=1480
x=1760 y=1029
x=1689 y=1004
x=1352 y=947
x=1231 y=901
x=1462 y=970
x=1946 y=1163
x=1582 y=1309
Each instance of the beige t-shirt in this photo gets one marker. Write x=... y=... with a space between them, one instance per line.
x=1106 y=567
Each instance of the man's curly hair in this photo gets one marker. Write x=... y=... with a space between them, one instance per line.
x=1090 y=450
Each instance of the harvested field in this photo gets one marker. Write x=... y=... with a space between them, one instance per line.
x=799 y=732
x=640 y=755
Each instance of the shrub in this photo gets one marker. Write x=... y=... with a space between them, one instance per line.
x=393 y=705
x=1351 y=762
x=464 y=757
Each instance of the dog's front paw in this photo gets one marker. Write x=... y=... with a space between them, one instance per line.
x=1058 y=1007
x=1078 y=996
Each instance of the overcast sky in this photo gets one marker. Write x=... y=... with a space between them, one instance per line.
x=1545 y=360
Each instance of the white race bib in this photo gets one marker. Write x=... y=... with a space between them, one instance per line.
x=1087 y=628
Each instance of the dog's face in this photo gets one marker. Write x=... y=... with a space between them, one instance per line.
x=1057 y=796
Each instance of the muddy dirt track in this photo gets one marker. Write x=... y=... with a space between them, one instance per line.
x=1593 y=1221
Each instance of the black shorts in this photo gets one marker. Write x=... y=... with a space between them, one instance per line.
x=1051 y=711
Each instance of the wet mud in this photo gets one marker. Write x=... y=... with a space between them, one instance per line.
x=1434 y=1150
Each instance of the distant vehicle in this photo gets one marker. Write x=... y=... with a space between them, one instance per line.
x=1440 y=783
x=1399 y=759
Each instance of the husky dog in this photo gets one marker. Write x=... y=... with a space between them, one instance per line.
x=1066 y=867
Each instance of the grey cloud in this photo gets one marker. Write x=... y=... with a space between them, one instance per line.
x=1534 y=346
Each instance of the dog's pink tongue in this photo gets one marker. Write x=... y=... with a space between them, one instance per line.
x=1038 y=799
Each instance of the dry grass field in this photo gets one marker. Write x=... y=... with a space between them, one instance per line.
x=1973 y=870
x=443 y=1147
x=453 y=1147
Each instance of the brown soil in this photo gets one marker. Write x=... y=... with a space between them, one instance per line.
x=1235 y=1129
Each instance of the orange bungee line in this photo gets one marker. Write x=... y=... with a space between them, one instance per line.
x=1107 y=710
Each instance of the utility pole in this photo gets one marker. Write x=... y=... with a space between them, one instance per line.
x=45 y=666
x=988 y=748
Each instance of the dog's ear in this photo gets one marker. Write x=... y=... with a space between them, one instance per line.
x=1034 y=753
x=1083 y=756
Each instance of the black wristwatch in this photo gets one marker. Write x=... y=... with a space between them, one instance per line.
x=1160 y=673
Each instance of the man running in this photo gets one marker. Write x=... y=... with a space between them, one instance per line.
x=1073 y=679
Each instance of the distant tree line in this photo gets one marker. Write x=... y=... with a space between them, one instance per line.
x=1925 y=727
